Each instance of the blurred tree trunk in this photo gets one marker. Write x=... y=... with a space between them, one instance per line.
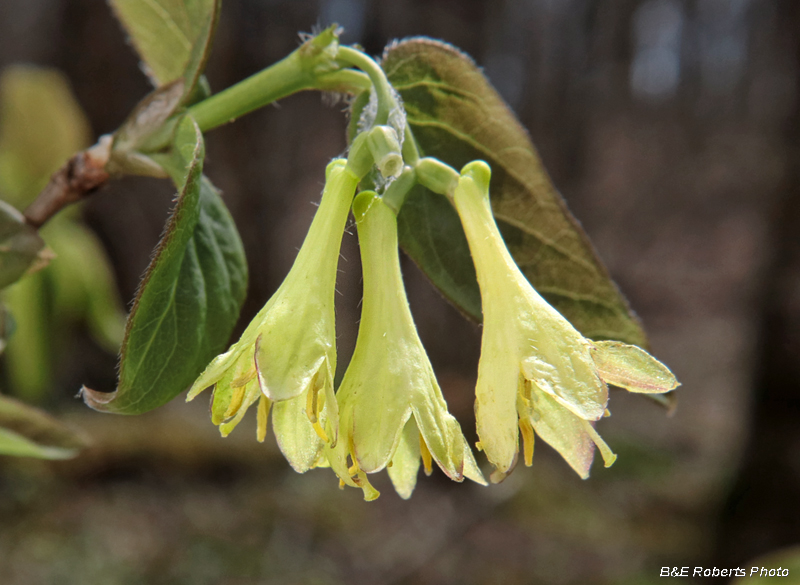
x=762 y=513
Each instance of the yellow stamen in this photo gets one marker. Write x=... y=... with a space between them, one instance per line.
x=320 y=432
x=244 y=378
x=525 y=390
x=264 y=405
x=252 y=393
x=526 y=430
x=426 y=456
x=607 y=413
x=236 y=401
x=353 y=470
x=314 y=403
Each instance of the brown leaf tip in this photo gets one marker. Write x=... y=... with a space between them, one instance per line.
x=412 y=42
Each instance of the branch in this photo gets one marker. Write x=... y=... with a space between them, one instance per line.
x=80 y=176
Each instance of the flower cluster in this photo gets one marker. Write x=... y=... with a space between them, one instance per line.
x=537 y=374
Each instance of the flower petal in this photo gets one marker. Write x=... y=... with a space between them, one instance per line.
x=288 y=357
x=297 y=439
x=495 y=400
x=632 y=368
x=404 y=467
x=377 y=424
x=558 y=361
x=251 y=395
x=214 y=372
x=297 y=332
x=562 y=430
x=471 y=469
x=229 y=390
x=439 y=429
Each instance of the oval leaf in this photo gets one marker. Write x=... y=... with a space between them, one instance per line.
x=21 y=248
x=29 y=432
x=457 y=117
x=173 y=37
x=190 y=297
x=41 y=126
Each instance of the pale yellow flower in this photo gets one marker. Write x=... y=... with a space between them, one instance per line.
x=286 y=358
x=392 y=412
x=537 y=373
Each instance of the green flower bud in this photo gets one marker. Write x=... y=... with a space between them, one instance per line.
x=537 y=373
x=386 y=151
x=286 y=358
x=436 y=176
x=392 y=412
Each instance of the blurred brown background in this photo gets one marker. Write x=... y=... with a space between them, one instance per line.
x=671 y=128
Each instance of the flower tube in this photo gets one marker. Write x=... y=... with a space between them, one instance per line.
x=286 y=358
x=537 y=373
x=392 y=412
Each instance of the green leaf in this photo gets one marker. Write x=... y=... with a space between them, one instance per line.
x=82 y=284
x=148 y=118
x=76 y=289
x=41 y=126
x=30 y=353
x=431 y=234
x=21 y=248
x=29 y=432
x=173 y=37
x=457 y=117
x=7 y=326
x=190 y=297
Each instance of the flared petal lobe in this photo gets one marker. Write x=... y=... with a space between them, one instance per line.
x=632 y=368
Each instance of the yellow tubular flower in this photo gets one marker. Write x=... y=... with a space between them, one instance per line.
x=286 y=358
x=537 y=373
x=391 y=409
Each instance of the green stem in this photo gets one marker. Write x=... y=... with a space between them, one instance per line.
x=383 y=90
x=410 y=149
x=284 y=78
x=395 y=194
x=257 y=91
x=273 y=83
x=344 y=81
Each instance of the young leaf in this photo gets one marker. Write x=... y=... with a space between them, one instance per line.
x=148 y=117
x=173 y=37
x=29 y=432
x=21 y=248
x=7 y=325
x=41 y=126
x=190 y=297
x=458 y=117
